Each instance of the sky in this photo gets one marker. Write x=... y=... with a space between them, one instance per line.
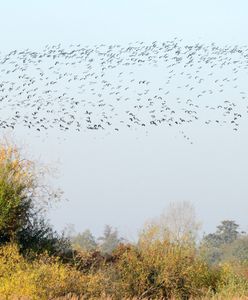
x=33 y=24
x=123 y=180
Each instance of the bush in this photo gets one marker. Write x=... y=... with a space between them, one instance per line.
x=43 y=278
x=163 y=270
x=231 y=284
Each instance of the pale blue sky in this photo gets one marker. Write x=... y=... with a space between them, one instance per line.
x=123 y=180
x=30 y=23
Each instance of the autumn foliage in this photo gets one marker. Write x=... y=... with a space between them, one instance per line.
x=37 y=263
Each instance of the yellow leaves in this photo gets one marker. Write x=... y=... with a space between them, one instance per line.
x=13 y=280
x=174 y=274
x=43 y=278
x=13 y=166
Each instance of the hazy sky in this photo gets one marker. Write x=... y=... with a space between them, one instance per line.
x=29 y=23
x=125 y=179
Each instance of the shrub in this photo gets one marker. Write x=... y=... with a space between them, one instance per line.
x=43 y=278
x=160 y=268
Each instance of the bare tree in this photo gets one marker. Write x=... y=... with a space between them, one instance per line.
x=178 y=224
x=179 y=221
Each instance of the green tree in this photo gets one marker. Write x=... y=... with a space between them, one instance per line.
x=216 y=245
x=85 y=241
x=227 y=231
x=16 y=191
x=21 y=217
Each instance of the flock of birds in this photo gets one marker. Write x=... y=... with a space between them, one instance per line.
x=113 y=87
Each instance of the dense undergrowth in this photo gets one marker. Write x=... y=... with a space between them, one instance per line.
x=161 y=271
x=37 y=263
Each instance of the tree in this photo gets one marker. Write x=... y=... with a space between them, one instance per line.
x=16 y=190
x=38 y=236
x=84 y=240
x=110 y=240
x=217 y=245
x=227 y=232
x=180 y=222
x=21 y=218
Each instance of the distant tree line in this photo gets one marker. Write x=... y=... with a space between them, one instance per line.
x=105 y=244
